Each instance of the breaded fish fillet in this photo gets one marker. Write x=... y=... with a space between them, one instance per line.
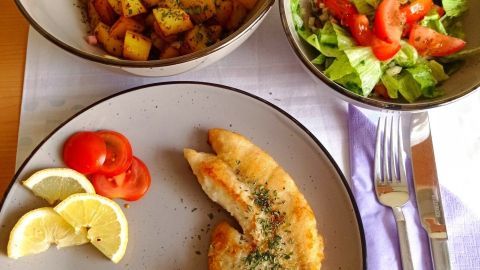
x=279 y=227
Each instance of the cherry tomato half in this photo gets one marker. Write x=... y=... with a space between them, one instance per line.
x=119 y=153
x=428 y=42
x=360 y=29
x=384 y=50
x=416 y=10
x=130 y=185
x=84 y=152
x=343 y=10
x=388 y=21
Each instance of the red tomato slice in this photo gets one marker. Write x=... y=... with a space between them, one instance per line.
x=384 y=50
x=428 y=42
x=388 y=21
x=440 y=10
x=343 y=10
x=382 y=91
x=416 y=10
x=360 y=29
x=130 y=185
x=119 y=153
x=84 y=152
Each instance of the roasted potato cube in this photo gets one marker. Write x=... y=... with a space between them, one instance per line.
x=239 y=12
x=136 y=46
x=195 y=39
x=93 y=17
x=124 y=24
x=111 y=45
x=132 y=8
x=116 y=5
x=105 y=12
x=169 y=38
x=172 y=20
x=249 y=4
x=199 y=10
x=224 y=9
x=171 y=51
x=214 y=32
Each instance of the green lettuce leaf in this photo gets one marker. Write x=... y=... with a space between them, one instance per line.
x=364 y=7
x=437 y=70
x=334 y=39
x=407 y=56
x=319 y=60
x=433 y=20
x=392 y=84
x=454 y=8
x=357 y=69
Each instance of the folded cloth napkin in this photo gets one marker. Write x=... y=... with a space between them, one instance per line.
x=383 y=250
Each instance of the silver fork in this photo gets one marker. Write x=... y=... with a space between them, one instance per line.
x=391 y=184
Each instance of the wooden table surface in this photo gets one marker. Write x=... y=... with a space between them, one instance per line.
x=13 y=44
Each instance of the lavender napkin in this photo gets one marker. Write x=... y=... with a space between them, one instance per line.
x=383 y=250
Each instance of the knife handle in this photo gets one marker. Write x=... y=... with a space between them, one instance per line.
x=440 y=256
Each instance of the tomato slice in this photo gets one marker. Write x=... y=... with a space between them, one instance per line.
x=428 y=42
x=416 y=10
x=84 y=152
x=343 y=10
x=360 y=29
x=440 y=10
x=119 y=153
x=130 y=185
x=381 y=90
x=384 y=50
x=388 y=21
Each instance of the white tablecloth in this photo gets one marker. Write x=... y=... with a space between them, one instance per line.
x=58 y=84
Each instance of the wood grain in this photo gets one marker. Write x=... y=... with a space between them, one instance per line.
x=13 y=44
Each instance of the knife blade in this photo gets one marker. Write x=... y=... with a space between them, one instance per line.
x=427 y=189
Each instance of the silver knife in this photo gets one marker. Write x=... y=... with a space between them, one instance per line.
x=427 y=190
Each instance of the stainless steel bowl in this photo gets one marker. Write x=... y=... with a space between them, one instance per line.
x=460 y=84
x=60 y=21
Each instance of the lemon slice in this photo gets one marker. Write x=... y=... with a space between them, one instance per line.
x=107 y=227
x=38 y=229
x=57 y=184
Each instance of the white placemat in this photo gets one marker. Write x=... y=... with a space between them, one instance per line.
x=58 y=84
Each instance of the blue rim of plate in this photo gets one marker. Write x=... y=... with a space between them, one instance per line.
x=224 y=87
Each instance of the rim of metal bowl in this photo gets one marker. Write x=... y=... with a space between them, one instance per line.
x=370 y=102
x=253 y=19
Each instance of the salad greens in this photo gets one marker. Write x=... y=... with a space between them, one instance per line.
x=406 y=75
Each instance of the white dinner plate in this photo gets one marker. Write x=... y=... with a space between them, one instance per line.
x=170 y=227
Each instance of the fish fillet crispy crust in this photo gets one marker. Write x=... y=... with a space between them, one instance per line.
x=279 y=227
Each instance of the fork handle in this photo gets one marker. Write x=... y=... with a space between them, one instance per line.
x=403 y=239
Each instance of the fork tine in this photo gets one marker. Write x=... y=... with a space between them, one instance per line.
x=378 y=151
x=402 y=172
x=394 y=170
x=386 y=154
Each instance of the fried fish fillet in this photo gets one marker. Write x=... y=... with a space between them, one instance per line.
x=279 y=227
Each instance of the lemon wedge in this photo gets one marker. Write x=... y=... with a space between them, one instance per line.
x=57 y=184
x=107 y=227
x=38 y=229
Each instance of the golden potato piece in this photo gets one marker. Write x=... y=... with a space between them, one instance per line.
x=132 y=8
x=239 y=12
x=136 y=46
x=93 y=17
x=111 y=45
x=172 y=20
x=224 y=11
x=116 y=5
x=105 y=12
x=124 y=24
x=199 y=10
